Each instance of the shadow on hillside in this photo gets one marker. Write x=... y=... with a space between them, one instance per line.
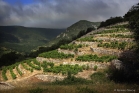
x=129 y=71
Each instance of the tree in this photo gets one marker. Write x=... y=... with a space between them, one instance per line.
x=134 y=9
x=134 y=22
x=110 y=21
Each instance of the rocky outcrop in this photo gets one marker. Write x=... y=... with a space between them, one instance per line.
x=117 y=64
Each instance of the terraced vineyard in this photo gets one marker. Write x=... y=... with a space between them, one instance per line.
x=97 y=48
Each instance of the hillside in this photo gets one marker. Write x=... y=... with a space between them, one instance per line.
x=73 y=31
x=24 y=39
x=89 y=55
x=17 y=43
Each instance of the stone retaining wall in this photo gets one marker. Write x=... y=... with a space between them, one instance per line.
x=105 y=51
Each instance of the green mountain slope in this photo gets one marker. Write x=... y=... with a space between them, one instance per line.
x=24 y=39
x=73 y=30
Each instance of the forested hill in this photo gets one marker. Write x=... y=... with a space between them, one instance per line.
x=24 y=39
x=76 y=30
x=73 y=32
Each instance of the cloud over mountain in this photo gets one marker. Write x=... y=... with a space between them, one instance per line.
x=61 y=13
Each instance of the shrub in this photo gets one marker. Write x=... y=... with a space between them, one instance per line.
x=95 y=67
x=36 y=90
x=55 y=54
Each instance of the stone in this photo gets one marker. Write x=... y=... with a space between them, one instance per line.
x=117 y=64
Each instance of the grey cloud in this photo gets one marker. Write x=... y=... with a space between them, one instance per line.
x=61 y=13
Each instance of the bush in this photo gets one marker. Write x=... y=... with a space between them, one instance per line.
x=36 y=90
x=110 y=21
x=55 y=54
x=114 y=45
x=99 y=77
x=4 y=70
x=71 y=80
x=95 y=67
x=85 y=90
x=70 y=46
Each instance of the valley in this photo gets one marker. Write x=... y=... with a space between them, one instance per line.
x=82 y=58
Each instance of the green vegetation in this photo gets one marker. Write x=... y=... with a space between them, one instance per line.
x=123 y=26
x=20 y=73
x=64 y=69
x=122 y=36
x=73 y=32
x=26 y=67
x=110 y=21
x=4 y=70
x=70 y=46
x=55 y=54
x=86 y=39
x=85 y=90
x=12 y=73
x=100 y=77
x=36 y=62
x=90 y=39
x=113 y=31
x=119 y=36
x=131 y=15
x=36 y=67
x=95 y=67
x=114 y=45
x=36 y=90
x=71 y=80
x=95 y=58
x=24 y=39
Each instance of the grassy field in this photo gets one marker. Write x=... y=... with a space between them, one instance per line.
x=99 y=83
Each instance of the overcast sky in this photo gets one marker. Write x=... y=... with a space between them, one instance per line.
x=60 y=13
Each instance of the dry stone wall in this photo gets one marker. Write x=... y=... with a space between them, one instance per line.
x=105 y=51
x=41 y=59
x=50 y=78
x=66 y=51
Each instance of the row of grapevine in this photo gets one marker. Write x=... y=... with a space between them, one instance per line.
x=36 y=62
x=26 y=67
x=122 y=36
x=4 y=70
x=95 y=58
x=89 y=39
x=114 y=45
x=10 y=68
x=86 y=39
x=64 y=69
x=17 y=69
x=70 y=46
x=37 y=67
x=118 y=36
x=12 y=73
x=55 y=54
